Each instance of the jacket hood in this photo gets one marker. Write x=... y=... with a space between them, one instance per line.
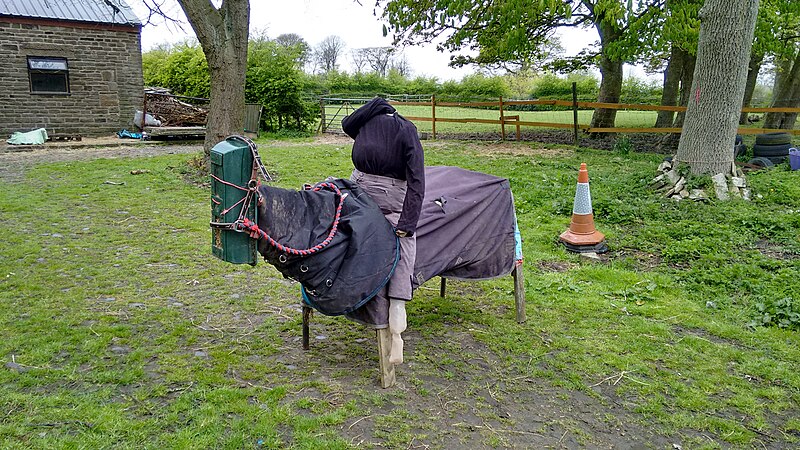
x=375 y=107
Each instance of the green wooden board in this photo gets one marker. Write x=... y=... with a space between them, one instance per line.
x=232 y=161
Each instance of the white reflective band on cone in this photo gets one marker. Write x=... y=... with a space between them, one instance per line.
x=583 y=200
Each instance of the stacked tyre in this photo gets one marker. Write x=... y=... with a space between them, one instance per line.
x=773 y=146
x=739 y=149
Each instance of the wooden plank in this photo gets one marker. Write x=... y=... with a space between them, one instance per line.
x=393 y=102
x=384 y=337
x=502 y=122
x=64 y=137
x=531 y=102
x=306 y=322
x=519 y=293
x=630 y=106
x=175 y=131
x=766 y=110
x=491 y=121
x=678 y=130
x=550 y=125
x=469 y=120
x=766 y=130
x=587 y=105
x=433 y=115
x=252 y=117
x=633 y=130
x=467 y=104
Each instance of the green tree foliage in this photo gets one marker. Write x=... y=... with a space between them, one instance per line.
x=552 y=87
x=368 y=84
x=181 y=68
x=274 y=79
x=636 y=90
x=519 y=30
x=475 y=87
x=501 y=31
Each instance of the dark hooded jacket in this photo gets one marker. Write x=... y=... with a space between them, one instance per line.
x=386 y=144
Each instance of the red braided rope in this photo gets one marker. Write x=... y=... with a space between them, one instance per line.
x=226 y=183
x=248 y=225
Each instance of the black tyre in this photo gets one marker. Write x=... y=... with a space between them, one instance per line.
x=761 y=161
x=774 y=138
x=739 y=150
x=778 y=160
x=771 y=150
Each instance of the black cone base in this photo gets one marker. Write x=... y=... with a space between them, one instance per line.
x=597 y=248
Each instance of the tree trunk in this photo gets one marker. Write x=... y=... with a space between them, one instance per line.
x=670 y=141
x=756 y=59
x=786 y=94
x=723 y=51
x=223 y=34
x=611 y=76
x=671 y=86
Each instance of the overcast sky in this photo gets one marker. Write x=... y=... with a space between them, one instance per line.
x=355 y=24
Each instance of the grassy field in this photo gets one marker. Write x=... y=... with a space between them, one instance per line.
x=625 y=118
x=118 y=329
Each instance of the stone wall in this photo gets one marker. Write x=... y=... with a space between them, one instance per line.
x=105 y=78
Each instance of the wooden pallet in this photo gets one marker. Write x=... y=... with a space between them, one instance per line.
x=175 y=132
x=64 y=137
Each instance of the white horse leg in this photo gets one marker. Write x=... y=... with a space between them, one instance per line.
x=397 y=324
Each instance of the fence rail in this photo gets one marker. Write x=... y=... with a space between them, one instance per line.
x=335 y=109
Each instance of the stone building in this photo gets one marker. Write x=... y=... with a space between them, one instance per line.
x=69 y=66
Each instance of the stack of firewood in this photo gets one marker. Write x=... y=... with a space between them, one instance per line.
x=171 y=111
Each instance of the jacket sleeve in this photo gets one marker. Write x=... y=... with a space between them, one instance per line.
x=415 y=182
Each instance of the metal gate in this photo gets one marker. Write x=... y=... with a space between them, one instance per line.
x=333 y=110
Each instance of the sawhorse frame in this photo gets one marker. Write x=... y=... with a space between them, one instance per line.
x=384 y=337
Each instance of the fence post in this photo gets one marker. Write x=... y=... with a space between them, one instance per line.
x=575 y=111
x=433 y=115
x=502 y=121
x=322 y=126
x=144 y=112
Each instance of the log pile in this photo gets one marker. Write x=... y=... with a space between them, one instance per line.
x=173 y=112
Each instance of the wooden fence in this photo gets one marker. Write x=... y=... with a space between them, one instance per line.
x=335 y=109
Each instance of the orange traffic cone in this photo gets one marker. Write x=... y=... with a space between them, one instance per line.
x=582 y=237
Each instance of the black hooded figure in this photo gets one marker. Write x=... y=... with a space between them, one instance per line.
x=390 y=168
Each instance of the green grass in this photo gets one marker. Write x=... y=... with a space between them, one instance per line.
x=119 y=330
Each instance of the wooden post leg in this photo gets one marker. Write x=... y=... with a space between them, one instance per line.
x=442 y=287
x=384 y=347
x=519 y=293
x=306 y=320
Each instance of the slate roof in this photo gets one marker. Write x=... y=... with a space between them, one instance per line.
x=93 y=11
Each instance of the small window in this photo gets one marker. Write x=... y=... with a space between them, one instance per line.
x=49 y=75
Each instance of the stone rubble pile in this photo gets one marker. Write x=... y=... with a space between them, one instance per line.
x=726 y=185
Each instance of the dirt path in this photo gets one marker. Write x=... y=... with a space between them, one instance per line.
x=14 y=161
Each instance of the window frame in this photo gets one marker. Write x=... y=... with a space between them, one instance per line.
x=61 y=72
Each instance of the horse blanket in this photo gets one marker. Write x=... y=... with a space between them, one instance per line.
x=467 y=230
